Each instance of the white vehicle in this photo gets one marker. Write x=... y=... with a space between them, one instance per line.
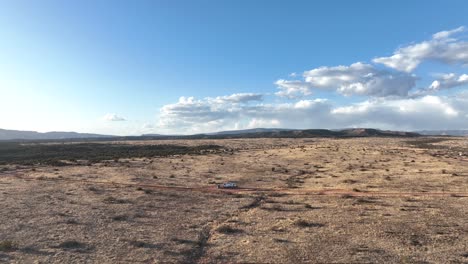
x=227 y=185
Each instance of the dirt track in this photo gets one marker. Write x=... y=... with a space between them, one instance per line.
x=285 y=191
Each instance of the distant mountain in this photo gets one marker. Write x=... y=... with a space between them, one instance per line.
x=152 y=135
x=370 y=132
x=33 y=135
x=305 y=133
x=459 y=133
x=247 y=131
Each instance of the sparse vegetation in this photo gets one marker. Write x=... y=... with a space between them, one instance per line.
x=255 y=203
x=72 y=244
x=7 y=245
x=303 y=223
x=313 y=202
x=56 y=154
x=225 y=229
x=122 y=217
x=113 y=200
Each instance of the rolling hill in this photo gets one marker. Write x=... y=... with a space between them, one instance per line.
x=33 y=135
x=248 y=133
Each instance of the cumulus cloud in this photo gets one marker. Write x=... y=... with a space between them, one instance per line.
x=190 y=115
x=427 y=112
x=392 y=102
x=208 y=112
x=293 y=89
x=448 y=81
x=356 y=79
x=443 y=47
x=196 y=115
x=113 y=117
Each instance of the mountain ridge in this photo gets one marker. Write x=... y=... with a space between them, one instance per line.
x=12 y=135
x=6 y=134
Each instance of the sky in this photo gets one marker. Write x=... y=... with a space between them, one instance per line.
x=184 y=67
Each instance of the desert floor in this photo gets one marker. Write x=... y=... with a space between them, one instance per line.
x=361 y=200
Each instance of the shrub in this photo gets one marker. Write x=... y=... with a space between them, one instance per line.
x=120 y=218
x=72 y=244
x=113 y=200
x=304 y=223
x=228 y=230
x=8 y=245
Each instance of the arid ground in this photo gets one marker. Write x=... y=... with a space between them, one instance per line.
x=359 y=200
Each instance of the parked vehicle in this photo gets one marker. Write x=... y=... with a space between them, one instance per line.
x=227 y=185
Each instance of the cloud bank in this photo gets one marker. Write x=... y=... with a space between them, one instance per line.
x=386 y=92
x=427 y=112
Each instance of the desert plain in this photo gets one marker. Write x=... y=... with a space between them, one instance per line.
x=310 y=200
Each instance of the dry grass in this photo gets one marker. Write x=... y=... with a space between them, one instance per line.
x=305 y=200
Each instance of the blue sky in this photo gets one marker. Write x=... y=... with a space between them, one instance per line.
x=132 y=67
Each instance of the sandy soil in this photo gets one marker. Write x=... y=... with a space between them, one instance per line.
x=367 y=200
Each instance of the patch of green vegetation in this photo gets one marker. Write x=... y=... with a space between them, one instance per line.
x=55 y=154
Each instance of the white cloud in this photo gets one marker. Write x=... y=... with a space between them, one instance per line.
x=193 y=116
x=113 y=117
x=442 y=47
x=202 y=115
x=447 y=33
x=426 y=112
x=190 y=115
x=237 y=98
x=356 y=79
x=263 y=123
x=448 y=81
x=292 y=89
x=392 y=100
